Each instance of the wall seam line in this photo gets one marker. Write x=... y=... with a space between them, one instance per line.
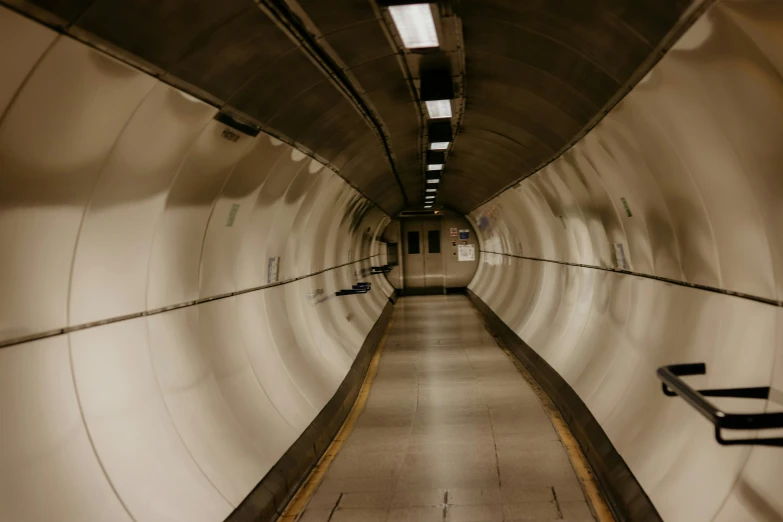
x=145 y=313
x=89 y=435
x=174 y=426
x=697 y=286
x=165 y=206
x=99 y=174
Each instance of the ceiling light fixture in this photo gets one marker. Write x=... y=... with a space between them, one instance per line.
x=439 y=145
x=427 y=206
x=432 y=190
x=415 y=24
x=435 y=167
x=433 y=181
x=439 y=108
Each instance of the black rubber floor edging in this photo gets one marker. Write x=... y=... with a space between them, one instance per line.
x=623 y=493
x=269 y=498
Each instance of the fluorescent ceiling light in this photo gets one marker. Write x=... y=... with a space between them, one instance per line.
x=427 y=206
x=432 y=190
x=430 y=198
x=433 y=181
x=439 y=145
x=436 y=166
x=439 y=108
x=415 y=24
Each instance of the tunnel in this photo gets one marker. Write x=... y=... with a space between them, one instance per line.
x=385 y=260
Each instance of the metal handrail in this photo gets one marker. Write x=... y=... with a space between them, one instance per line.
x=673 y=386
x=358 y=288
x=383 y=269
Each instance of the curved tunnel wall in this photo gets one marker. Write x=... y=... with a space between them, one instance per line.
x=685 y=174
x=149 y=371
x=121 y=202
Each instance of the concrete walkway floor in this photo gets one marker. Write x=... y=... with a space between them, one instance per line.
x=451 y=432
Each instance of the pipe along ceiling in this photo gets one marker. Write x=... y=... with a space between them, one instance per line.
x=185 y=184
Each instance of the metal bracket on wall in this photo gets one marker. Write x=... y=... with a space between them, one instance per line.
x=672 y=386
x=385 y=269
x=358 y=288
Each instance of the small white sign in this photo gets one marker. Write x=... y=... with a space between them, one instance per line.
x=453 y=232
x=619 y=256
x=273 y=270
x=232 y=215
x=466 y=252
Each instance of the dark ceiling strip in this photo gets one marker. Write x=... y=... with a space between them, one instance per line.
x=686 y=21
x=292 y=24
x=677 y=282
x=453 y=8
x=447 y=10
x=68 y=329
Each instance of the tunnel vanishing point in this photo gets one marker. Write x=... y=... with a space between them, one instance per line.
x=386 y=260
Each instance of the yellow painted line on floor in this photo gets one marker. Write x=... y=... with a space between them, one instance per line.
x=314 y=479
x=589 y=485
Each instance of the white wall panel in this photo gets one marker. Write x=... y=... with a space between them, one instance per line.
x=280 y=224
x=691 y=152
x=224 y=235
x=312 y=251
x=756 y=495
x=265 y=223
x=309 y=251
x=176 y=251
x=49 y=469
x=120 y=195
x=230 y=458
x=613 y=154
x=338 y=251
x=74 y=106
x=298 y=244
x=314 y=351
x=244 y=392
x=134 y=436
x=311 y=295
x=300 y=363
x=268 y=365
x=325 y=309
x=110 y=267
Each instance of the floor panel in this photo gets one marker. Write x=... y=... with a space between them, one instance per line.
x=451 y=432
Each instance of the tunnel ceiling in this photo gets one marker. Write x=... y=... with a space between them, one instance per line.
x=536 y=73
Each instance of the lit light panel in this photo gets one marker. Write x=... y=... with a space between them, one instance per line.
x=427 y=206
x=439 y=108
x=433 y=181
x=435 y=166
x=415 y=24
x=432 y=190
x=439 y=145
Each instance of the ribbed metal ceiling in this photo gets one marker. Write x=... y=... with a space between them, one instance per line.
x=536 y=73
